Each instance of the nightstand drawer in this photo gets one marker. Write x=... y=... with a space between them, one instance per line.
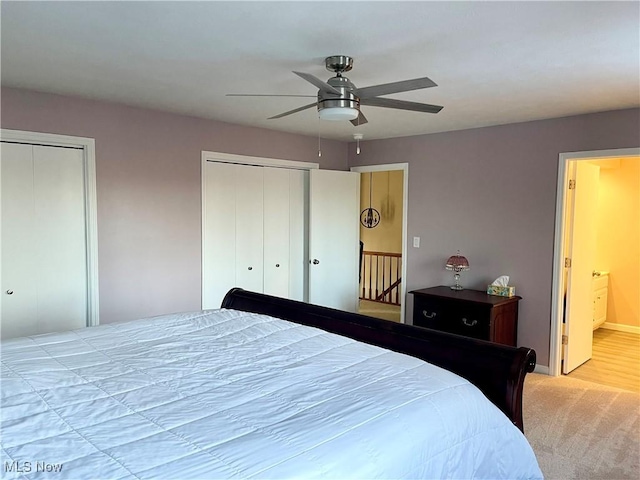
x=471 y=322
x=428 y=314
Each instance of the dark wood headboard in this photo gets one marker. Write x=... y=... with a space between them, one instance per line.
x=497 y=370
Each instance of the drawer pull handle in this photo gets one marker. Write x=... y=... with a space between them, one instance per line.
x=428 y=315
x=468 y=323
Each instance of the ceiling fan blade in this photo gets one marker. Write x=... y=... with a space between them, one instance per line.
x=394 y=87
x=361 y=120
x=401 y=105
x=266 y=95
x=324 y=86
x=299 y=109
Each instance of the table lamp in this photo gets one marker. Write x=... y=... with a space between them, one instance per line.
x=458 y=264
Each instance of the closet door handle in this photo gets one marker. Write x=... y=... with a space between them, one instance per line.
x=316 y=261
x=250 y=268
x=9 y=292
x=277 y=265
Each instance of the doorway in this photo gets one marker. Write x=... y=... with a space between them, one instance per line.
x=606 y=262
x=383 y=227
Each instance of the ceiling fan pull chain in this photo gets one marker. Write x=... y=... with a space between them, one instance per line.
x=319 y=150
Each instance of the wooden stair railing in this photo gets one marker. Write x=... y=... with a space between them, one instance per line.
x=381 y=277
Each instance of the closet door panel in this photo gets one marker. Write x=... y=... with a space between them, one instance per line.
x=249 y=228
x=19 y=266
x=276 y=232
x=298 y=206
x=219 y=232
x=60 y=244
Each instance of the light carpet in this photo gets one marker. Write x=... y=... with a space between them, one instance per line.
x=582 y=430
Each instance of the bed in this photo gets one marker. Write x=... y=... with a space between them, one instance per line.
x=262 y=388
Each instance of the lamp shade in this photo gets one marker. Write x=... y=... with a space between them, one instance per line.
x=457 y=263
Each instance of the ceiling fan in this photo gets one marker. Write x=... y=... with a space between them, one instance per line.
x=339 y=99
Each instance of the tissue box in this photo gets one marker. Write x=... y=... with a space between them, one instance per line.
x=507 y=291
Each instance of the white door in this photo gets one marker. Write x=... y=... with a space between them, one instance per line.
x=249 y=228
x=218 y=232
x=334 y=231
x=276 y=231
x=19 y=302
x=581 y=250
x=232 y=240
x=298 y=248
x=284 y=232
x=44 y=255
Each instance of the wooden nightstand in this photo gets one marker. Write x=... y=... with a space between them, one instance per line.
x=471 y=313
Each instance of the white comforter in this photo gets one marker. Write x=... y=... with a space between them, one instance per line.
x=222 y=394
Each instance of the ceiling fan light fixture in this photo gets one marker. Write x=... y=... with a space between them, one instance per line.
x=338 y=113
x=339 y=99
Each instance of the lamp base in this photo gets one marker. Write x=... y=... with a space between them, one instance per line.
x=456 y=277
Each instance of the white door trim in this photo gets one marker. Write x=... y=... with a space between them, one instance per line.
x=89 y=149
x=261 y=161
x=555 y=336
x=405 y=203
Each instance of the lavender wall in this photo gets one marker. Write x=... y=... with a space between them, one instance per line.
x=148 y=182
x=491 y=192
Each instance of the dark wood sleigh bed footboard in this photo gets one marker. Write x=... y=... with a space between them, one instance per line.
x=497 y=370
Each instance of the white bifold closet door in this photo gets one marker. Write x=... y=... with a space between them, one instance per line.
x=43 y=253
x=253 y=231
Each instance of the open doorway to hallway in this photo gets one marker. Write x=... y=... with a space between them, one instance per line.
x=603 y=314
x=382 y=241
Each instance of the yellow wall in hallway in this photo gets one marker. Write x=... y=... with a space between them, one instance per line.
x=387 y=199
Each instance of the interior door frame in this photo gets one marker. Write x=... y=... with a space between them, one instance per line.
x=405 y=203
x=87 y=145
x=557 y=295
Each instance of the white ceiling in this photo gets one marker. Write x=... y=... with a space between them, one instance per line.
x=494 y=62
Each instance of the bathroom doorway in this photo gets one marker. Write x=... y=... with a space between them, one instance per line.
x=612 y=285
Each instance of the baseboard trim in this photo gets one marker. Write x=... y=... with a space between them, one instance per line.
x=543 y=369
x=620 y=327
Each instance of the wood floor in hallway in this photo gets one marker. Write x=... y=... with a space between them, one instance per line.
x=615 y=361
